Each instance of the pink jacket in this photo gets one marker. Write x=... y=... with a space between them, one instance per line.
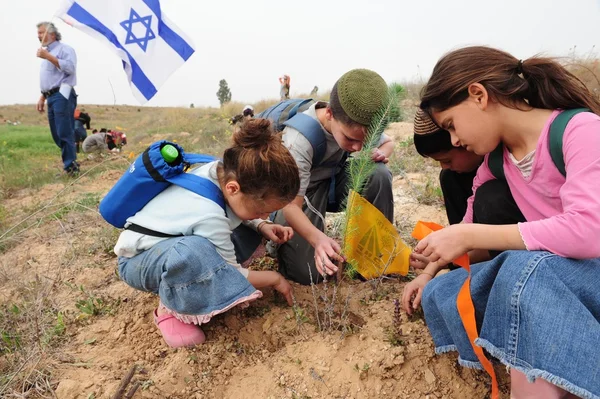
x=563 y=215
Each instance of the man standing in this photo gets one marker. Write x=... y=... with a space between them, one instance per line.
x=57 y=81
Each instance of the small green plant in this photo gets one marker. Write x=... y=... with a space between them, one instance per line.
x=430 y=194
x=365 y=367
x=300 y=315
x=91 y=305
x=351 y=269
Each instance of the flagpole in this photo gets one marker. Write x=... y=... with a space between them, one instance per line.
x=46 y=31
x=113 y=92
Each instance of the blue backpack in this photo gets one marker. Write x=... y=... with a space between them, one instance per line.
x=148 y=176
x=290 y=113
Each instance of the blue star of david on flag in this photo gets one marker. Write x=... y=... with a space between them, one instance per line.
x=123 y=25
x=128 y=24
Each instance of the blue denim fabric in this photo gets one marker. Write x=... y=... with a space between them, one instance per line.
x=537 y=312
x=188 y=274
x=80 y=132
x=62 y=125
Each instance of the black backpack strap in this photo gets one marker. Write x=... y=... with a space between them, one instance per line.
x=149 y=232
x=496 y=162
x=557 y=131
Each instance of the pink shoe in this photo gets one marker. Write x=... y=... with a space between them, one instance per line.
x=178 y=334
x=520 y=388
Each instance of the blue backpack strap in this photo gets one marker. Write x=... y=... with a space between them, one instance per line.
x=312 y=130
x=198 y=158
x=496 y=162
x=284 y=110
x=557 y=131
x=200 y=186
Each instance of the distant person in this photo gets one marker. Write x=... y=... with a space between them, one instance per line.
x=58 y=78
x=247 y=113
x=104 y=141
x=284 y=92
x=314 y=91
x=82 y=122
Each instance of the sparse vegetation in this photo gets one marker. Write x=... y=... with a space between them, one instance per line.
x=62 y=322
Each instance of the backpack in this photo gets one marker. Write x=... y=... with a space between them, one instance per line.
x=291 y=113
x=555 y=143
x=147 y=177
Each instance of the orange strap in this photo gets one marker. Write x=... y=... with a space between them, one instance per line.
x=464 y=303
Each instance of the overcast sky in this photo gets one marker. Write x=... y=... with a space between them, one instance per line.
x=252 y=43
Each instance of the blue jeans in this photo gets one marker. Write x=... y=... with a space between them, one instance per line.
x=536 y=312
x=80 y=133
x=188 y=274
x=62 y=123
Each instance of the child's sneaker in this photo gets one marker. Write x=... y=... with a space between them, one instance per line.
x=178 y=334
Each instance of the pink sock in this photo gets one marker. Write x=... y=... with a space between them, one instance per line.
x=520 y=388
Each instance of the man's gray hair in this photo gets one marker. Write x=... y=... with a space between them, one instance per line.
x=50 y=28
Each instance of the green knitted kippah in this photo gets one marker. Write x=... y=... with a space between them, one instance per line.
x=361 y=93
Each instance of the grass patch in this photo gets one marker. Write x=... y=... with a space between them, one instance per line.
x=31 y=329
x=89 y=201
x=28 y=157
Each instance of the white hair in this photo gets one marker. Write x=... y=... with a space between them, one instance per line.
x=50 y=28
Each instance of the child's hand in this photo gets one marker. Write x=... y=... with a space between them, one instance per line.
x=379 y=156
x=327 y=249
x=284 y=288
x=444 y=246
x=418 y=261
x=414 y=288
x=276 y=232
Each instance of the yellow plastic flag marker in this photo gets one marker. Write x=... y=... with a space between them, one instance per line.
x=372 y=242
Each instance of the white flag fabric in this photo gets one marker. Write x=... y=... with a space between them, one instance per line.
x=149 y=44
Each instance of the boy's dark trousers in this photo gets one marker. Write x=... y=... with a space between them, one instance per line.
x=297 y=255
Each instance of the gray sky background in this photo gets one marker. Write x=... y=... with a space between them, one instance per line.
x=252 y=43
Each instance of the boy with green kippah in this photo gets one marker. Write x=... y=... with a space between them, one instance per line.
x=355 y=99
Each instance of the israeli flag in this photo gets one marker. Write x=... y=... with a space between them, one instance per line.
x=149 y=44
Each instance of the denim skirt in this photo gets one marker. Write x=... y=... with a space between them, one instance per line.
x=537 y=312
x=193 y=281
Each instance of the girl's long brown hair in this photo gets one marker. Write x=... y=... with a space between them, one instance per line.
x=538 y=81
